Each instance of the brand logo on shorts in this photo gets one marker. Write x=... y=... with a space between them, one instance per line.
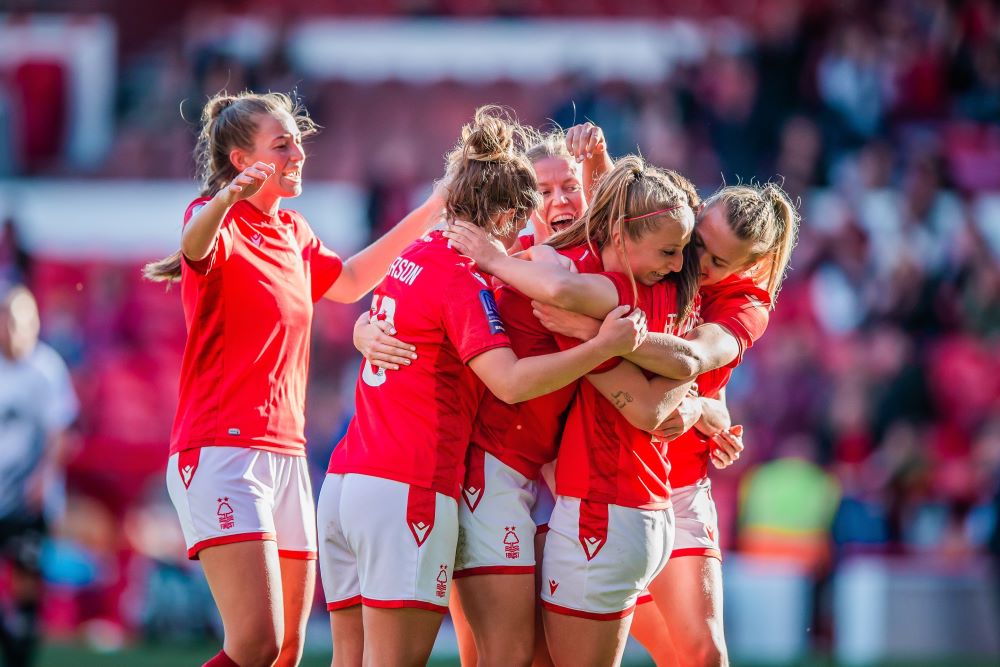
x=472 y=497
x=553 y=585
x=710 y=532
x=420 y=530
x=225 y=514
x=187 y=472
x=442 y=582
x=511 y=545
x=591 y=545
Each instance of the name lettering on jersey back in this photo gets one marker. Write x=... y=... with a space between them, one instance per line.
x=677 y=327
x=404 y=270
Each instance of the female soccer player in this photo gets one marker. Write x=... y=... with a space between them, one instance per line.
x=388 y=515
x=611 y=477
x=250 y=272
x=561 y=175
x=744 y=237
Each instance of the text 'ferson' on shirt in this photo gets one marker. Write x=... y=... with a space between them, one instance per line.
x=404 y=270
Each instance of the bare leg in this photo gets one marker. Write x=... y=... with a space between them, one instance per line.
x=467 y=652
x=399 y=637
x=501 y=612
x=583 y=642
x=348 y=635
x=245 y=578
x=298 y=583
x=688 y=593
x=650 y=629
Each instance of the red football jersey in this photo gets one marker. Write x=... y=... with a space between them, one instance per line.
x=248 y=309
x=602 y=457
x=525 y=435
x=743 y=308
x=413 y=425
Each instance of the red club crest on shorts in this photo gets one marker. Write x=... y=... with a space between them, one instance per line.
x=442 y=582
x=511 y=545
x=225 y=513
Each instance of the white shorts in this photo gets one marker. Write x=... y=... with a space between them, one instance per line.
x=599 y=557
x=499 y=514
x=385 y=543
x=237 y=494
x=697 y=521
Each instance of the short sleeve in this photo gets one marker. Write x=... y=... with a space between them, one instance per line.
x=626 y=297
x=743 y=312
x=325 y=266
x=471 y=317
x=223 y=241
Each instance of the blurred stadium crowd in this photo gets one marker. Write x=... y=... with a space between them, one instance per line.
x=872 y=406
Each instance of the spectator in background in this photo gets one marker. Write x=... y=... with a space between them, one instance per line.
x=37 y=406
x=788 y=507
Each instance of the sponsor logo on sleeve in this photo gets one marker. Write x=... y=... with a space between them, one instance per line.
x=492 y=312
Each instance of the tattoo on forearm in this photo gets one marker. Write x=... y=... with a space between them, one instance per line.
x=621 y=399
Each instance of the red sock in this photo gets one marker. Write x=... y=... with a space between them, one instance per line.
x=221 y=660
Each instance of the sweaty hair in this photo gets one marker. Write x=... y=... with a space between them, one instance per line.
x=488 y=173
x=765 y=216
x=229 y=122
x=627 y=200
x=552 y=144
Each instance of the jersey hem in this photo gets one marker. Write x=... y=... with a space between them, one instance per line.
x=241 y=443
x=391 y=476
x=645 y=507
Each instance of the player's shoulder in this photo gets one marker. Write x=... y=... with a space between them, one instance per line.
x=45 y=361
x=195 y=206
x=739 y=291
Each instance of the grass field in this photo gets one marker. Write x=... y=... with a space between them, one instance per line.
x=65 y=655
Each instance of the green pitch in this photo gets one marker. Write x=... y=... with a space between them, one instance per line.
x=63 y=655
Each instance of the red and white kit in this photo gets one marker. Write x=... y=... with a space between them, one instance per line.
x=503 y=504
x=743 y=308
x=248 y=309
x=612 y=529
x=412 y=427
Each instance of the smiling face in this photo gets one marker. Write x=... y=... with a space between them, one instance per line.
x=277 y=141
x=659 y=251
x=720 y=252
x=561 y=186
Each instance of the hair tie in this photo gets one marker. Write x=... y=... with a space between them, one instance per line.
x=649 y=215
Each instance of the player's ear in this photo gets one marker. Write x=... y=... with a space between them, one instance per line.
x=239 y=158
